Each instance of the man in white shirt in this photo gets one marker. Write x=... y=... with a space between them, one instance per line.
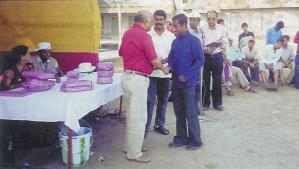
x=215 y=42
x=269 y=61
x=159 y=82
x=286 y=63
x=251 y=61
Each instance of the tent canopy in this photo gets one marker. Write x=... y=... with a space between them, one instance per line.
x=73 y=28
x=70 y=26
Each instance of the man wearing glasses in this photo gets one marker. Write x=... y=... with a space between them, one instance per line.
x=215 y=43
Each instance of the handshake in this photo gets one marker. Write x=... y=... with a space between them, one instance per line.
x=166 y=70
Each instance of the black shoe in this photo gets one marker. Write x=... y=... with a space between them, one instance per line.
x=219 y=108
x=193 y=147
x=175 y=145
x=146 y=133
x=205 y=108
x=170 y=99
x=161 y=130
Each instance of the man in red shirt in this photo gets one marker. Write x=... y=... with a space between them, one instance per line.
x=139 y=60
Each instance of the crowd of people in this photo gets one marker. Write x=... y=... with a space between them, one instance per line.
x=201 y=60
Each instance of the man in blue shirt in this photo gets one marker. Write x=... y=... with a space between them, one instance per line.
x=185 y=59
x=273 y=34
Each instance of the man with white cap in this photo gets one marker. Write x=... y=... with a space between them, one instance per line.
x=43 y=61
x=194 y=29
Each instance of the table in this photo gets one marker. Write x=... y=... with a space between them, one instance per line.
x=54 y=105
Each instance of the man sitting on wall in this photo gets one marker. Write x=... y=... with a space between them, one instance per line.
x=286 y=63
x=251 y=59
x=269 y=60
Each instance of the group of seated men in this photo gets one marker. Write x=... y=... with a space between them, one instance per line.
x=275 y=62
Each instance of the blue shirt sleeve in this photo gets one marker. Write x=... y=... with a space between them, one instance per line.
x=170 y=56
x=268 y=37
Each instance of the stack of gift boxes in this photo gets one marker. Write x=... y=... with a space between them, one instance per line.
x=105 y=71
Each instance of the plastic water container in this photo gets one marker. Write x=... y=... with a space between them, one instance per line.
x=81 y=143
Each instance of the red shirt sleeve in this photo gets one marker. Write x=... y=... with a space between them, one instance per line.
x=296 y=39
x=149 y=49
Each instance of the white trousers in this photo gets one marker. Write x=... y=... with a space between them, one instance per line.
x=135 y=87
x=238 y=77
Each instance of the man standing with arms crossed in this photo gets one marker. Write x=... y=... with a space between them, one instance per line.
x=215 y=42
x=139 y=60
x=185 y=59
x=159 y=82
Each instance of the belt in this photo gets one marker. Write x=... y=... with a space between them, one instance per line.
x=213 y=54
x=136 y=73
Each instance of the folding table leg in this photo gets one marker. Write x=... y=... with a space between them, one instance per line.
x=120 y=106
x=69 y=161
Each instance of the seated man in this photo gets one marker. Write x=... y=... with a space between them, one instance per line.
x=234 y=58
x=286 y=62
x=269 y=62
x=43 y=61
x=250 y=55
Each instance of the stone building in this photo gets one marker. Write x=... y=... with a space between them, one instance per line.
x=259 y=14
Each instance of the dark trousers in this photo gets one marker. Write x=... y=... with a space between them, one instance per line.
x=213 y=66
x=185 y=109
x=198 y=92
x=158 y=87
x=254 y=72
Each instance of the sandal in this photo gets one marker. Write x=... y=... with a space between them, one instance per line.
x=230 y=93
x=275 y=88
x=268 y=88
x=250 y=90
x=161 y=130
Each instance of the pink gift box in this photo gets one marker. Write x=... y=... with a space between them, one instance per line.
x=105 y=66
x=38 y=75
x=105 y=80
x=37 y=85
x=105 y=73
x=73 y=74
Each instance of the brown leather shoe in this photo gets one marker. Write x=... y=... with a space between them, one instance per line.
x=142 y=159
x=143 y=149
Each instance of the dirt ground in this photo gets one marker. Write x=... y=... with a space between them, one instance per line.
x=255 y=131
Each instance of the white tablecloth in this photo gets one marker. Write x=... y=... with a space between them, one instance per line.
x=54 y=105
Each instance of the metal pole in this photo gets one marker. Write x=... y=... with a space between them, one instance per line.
x=119 y=23
x=120 y=106
x=200 y=89
x=69 y=162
